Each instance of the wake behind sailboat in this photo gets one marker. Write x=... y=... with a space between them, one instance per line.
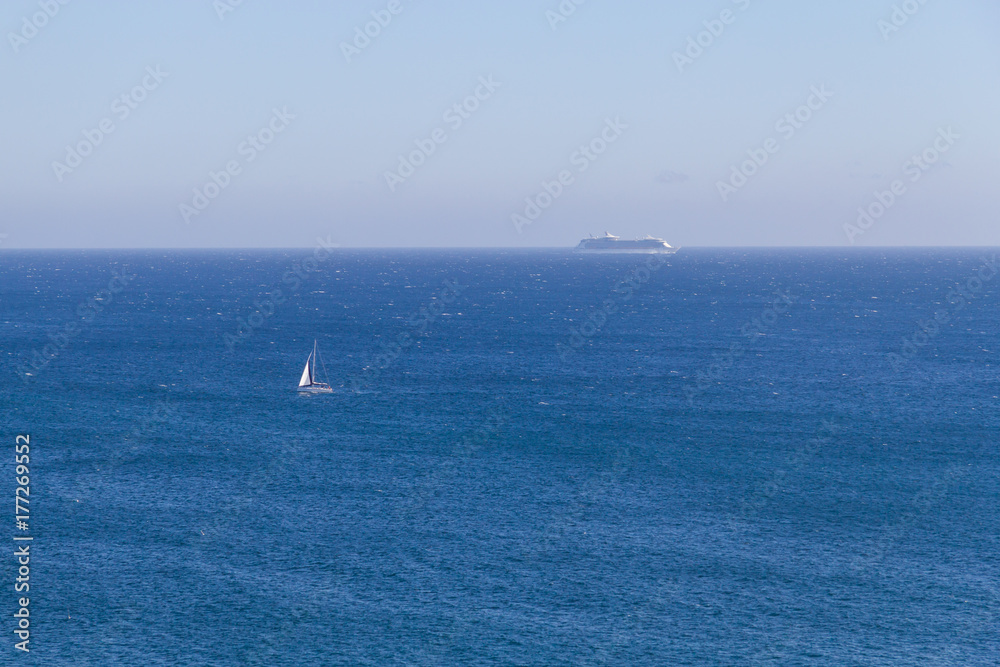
x=308 y=383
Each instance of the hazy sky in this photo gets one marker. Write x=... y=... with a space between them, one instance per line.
x=184 y=85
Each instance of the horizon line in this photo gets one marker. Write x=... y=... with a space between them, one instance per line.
x=339 y=247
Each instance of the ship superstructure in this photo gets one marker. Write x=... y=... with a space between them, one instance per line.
x=612 y=243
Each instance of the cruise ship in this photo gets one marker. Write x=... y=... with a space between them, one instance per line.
x=612 y=243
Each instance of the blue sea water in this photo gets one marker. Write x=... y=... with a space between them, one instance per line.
x=733 y=457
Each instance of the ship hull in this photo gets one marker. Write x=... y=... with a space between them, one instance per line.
x=627 y=251
x=316 y=389
x=611 y=243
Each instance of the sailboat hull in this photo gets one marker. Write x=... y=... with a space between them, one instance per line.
x=316 y=389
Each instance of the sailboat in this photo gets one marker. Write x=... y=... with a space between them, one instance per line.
x=307 y=383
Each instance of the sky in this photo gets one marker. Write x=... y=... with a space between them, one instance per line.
x=524 y=123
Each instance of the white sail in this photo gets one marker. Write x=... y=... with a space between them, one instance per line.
x=308 y=383
x=306 y=378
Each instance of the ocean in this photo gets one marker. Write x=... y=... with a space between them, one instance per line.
x=530 y=457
